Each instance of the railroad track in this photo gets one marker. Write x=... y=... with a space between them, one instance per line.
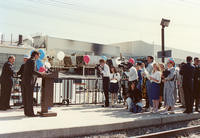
x=173 y=133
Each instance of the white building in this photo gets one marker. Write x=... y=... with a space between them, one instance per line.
x=7 y=49
x=143 y=49
x=52 y=45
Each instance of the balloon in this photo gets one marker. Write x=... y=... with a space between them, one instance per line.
x=131 y=60
x=42 y=54
x=47 y=64
x=104 y=57
x=39 y=64
x=171 y=60
x=60 y=55
x=86 y=59
x=42 y=69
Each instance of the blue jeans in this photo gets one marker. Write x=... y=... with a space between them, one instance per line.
x=129 y=102
x=139 y=85
x=148 y=86
x=133 y=107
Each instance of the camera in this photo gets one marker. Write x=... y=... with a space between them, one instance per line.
x=166 y=73
x=98 y=66
x=125 y=66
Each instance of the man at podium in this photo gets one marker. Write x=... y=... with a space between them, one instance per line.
x=28 y=82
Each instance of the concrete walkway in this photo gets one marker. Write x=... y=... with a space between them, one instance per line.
x=77 y=120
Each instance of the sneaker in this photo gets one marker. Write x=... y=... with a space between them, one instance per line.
x=156 y=112
x=149 y=109
x=153 y=112
x=164 y=113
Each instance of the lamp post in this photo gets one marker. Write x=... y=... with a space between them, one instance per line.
x=164 y=23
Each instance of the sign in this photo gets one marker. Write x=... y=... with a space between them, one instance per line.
x=168 y=53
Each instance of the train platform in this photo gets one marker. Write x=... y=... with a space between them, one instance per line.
x=81 y=120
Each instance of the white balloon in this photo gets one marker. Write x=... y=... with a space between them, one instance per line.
x=60 y=55
x=47 y=64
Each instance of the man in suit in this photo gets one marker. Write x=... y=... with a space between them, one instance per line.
x=188 y=82
x=196 y=83
x=28 y=82
x=6 y=83
x=21 y=73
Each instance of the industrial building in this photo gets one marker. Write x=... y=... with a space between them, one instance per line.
x=53 y=45
x=141 y=49
x=7 y=49
x=73 y=48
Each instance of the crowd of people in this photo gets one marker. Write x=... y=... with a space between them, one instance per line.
x=28 y=74
x=159 y=84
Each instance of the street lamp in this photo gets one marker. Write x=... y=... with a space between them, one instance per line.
x=164 y=23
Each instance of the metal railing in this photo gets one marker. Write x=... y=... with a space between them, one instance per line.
x=66 y=91
x=78 y=91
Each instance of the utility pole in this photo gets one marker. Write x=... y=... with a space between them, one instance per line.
x=163 y=43
x=164 y=23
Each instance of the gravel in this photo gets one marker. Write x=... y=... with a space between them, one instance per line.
x=147 y=130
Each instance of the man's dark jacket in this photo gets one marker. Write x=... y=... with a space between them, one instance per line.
x=30 y=73
x=21 y=71
x=7 y=73
x=188 y=74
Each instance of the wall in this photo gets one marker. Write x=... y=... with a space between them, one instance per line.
x=80 y=48
x=18 y=52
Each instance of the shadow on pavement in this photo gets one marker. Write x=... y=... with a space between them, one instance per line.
x=7 y=118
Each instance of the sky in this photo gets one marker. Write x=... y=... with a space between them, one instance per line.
x=105 y=21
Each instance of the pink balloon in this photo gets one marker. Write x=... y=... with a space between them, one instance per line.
x=131 y=60
x=86 y=59
x=42 y=69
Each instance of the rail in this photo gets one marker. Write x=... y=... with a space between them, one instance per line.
x=173 y=133
x=66 y=91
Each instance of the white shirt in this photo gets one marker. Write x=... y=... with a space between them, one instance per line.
x=106 y=71
x=114 y=77
x=156 y=75
x=132 y=74
x=148 y=70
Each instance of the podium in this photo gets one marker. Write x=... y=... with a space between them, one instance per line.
x=47 y=94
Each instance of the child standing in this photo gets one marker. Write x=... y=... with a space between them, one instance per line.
x=114 y=84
